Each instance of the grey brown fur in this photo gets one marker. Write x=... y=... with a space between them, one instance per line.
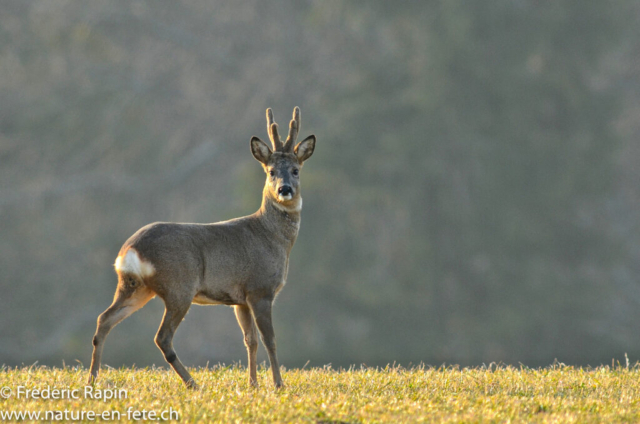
x=242 y=262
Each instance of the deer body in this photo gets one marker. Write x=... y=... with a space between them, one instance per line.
x=242 y=262
x=194 y=257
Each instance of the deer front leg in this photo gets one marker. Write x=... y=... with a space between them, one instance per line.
x=245 y=319
x=173 y=314
x=261 y=309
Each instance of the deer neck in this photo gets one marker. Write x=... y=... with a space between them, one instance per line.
x=281 y=220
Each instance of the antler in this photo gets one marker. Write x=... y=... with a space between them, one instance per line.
x=272 y=130
x=294 y=128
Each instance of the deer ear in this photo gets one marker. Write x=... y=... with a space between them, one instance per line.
x=304 y=149
x=260 y=150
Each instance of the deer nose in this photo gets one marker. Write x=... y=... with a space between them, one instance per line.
x=284 y=190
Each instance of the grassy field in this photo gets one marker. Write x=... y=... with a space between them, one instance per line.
x=393 y=394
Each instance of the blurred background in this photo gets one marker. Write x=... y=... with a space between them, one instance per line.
x=474 y=196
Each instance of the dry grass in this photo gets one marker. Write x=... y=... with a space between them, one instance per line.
x=393 y=394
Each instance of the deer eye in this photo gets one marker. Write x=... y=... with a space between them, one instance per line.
x=295 y=172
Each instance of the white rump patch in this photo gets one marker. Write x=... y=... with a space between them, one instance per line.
x=131 y=263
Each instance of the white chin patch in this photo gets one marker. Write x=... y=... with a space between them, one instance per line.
x=285 y=197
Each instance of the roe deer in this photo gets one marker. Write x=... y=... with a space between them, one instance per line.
x=242 y=262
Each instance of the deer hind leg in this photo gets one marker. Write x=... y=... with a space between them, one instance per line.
x=261 y=309
x=173 y=314
x=130 y=296
x=245 y=319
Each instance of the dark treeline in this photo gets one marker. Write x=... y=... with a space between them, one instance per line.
x=473 y=196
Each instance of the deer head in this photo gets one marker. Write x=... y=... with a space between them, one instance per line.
x=282 y=164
